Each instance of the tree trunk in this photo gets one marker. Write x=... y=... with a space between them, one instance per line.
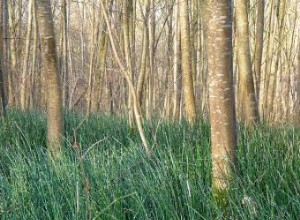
x=2 y=89
x=169 y=52
x=25 y=73
x=188 y=86
x=177 y=66
x=127 y=32
x=12 y=53
x=65 y=57
x=151 y=85
x=50 y=69
x=259 y=41
x=145 y=55
x=274 y=68
x=248 y=105
x=296 y=114
x=90 y=89
x=221 y=95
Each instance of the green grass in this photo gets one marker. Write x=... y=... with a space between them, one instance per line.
x=116 y=180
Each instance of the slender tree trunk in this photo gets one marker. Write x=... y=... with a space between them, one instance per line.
x=169 y=52
x=2 y=89
x=221 y=95
x=25 y=70
x=199 y=86
x=274 y=69
x=50 y=69
x=34 y=76
x=151 y=85
x=177 y=65
x=249 y=108
x=91 y=66
x=127 y=29
x=12 y=51
x=259 y=41
x=124 y=72
x=188 y=86
x=65 y=57
x=145 y=55
x=296 y=114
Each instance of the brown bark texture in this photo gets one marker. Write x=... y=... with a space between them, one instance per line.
x=221 y=95
x=50 y=70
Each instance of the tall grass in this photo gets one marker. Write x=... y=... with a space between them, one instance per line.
x=110 y=177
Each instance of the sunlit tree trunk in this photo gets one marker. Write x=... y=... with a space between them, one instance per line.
x=188 y=86
x=199 y=86
x=127 y=29
x=151 y=85
x=25 y=77
x=248 y=105
x=268 y=63
x=90 y=89
x=296 y=113
x=65 y=57
x=145 y=55
x=124 y=72
x=259 y=41
x=168 y=73
x=281 y=13
x=221 y=95
x=177 y=65
x=12 y=53
x=35 y=92
x=50 y=69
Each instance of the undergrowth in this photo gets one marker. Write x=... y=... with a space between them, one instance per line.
x=108 y=176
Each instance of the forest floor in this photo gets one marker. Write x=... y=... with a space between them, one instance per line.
x=107 y=175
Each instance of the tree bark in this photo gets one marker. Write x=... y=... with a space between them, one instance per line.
x=259 y=41
x=145 y=55
x=248 y=104
x=12 y=51
x=296 y=114
x=177 y=66
x=221 y=95
x=65 y=57
x=50 y=69
x=25 y=73
x=188 y=86
x=127 y=32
